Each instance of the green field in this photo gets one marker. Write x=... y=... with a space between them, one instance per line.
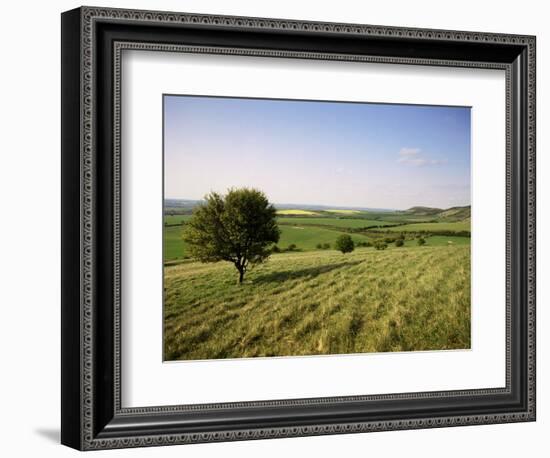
x=175 y=219
x=336 y=222
x=443 y=226
x=398 y=218
x=174 y=246
x=321 y=302
x=440 y=240
x=307 y=232
x=306 y=238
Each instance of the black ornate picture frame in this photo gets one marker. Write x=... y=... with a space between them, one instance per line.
x=92 y=42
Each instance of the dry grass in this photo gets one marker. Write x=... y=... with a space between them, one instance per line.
x=321 y=303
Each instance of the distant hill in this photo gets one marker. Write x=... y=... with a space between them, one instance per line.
x=181 y=203
x=450 y=214
x=423 y=211
x=185 y=206
x=456 y=214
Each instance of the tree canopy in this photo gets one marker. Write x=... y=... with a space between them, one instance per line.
x=238 y=227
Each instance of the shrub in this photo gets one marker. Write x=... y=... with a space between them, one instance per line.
x=366 y=243
x=319 y=246
x=421 y=241
x=389 y=240
x=399 y=242
x=344 y=243
x=275 y=249
x=326 y=246
x=291 y=247
x=380 y=245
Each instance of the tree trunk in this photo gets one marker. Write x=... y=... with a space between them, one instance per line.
x=241 y=274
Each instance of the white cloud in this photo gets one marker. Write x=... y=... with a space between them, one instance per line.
x=413 y=156
x=408 y=152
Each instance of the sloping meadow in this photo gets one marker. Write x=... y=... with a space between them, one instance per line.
x=320 y=302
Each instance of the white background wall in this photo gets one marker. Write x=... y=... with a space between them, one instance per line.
x=30 y=240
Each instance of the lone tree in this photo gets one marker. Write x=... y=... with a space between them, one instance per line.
x=239 y=227
x=344 y=243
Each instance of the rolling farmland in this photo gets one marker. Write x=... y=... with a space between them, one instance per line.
x=324 y=226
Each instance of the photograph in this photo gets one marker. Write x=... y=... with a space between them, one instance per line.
x=305 y=227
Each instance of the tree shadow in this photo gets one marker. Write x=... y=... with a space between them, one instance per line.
x=285 y=275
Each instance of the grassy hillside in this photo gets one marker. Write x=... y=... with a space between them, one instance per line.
x=433 y=214
x=423 y=211
x=456 y=214
x=321 y=302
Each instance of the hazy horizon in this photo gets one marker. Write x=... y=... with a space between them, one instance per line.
x=330 y=154
x=313 y=204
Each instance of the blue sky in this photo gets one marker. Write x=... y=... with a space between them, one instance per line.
x=324 y=153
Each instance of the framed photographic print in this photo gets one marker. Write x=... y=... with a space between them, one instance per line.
x=279 y=228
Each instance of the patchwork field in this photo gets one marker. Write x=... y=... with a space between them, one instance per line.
x=321 y=302
x=306 y=229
